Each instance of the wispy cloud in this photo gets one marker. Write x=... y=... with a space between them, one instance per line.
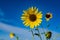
x=10 y=28
x=23 y=33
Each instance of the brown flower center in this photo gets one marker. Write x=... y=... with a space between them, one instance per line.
x=32 y=17
x=47 y=15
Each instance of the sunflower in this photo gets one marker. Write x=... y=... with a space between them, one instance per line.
x=48 y=35
x=12 y=35
x=32 y=17
x=48 y=16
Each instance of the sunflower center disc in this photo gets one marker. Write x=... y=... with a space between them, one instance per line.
x=47 y=16
x=32 y=17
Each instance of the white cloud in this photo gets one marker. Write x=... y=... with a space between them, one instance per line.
x=24 y=34
x=20 y=31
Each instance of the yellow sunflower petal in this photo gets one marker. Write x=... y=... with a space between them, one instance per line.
x=38 y=22
x=24 y=11
x=47 y=19
x=24 y=18
x=34 y=8
x=27 y=23
x=51 y=15
x=39 y=15
x=30 y=10
x=36 y=11
x=31 y=25
x=25 y=15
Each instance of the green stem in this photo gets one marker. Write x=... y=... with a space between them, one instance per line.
x=47 y=28
x=39 y=34
x=17 y=38
x=32 y=35
x=43 y=30
x=49 y=39
x=48 y=24
x=46 y=39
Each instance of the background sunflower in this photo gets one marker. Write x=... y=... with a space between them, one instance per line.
x=32 y=17
x=12 y=35
x=48 y=16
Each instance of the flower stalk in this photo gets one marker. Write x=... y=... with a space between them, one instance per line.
x=32 y=34
x=17 y=38
x=39 y=34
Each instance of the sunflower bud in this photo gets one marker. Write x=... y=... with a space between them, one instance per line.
x=12 y=35
x=48 y=35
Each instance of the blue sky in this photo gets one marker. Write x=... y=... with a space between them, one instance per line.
x=11 y=11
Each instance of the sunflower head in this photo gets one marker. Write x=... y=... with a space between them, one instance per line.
x=12 y=35
x=31 y=17
x=48 y=16
x=48 y=35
